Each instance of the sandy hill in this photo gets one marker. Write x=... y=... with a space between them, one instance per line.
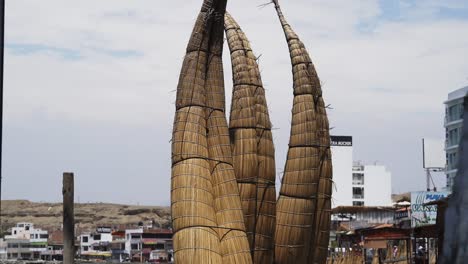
x=87 y=215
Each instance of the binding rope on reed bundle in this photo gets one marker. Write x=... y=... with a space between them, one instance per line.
x=308 y=168
x=252 y=145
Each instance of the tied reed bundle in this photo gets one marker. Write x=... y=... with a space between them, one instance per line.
x=192 y=203
x=304 y=206
x=252 y=145
x=234 y=244
x=206 y=209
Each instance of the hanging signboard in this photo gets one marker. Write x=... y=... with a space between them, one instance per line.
x=424 y=215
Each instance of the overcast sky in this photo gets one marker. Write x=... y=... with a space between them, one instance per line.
x=89 y=86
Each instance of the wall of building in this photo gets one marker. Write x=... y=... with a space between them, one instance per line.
x=87 y=246
x=453 y=131
x=377 y=186
x=131 y=238
x=342 y=161
x=377 y=183
x=3 y=249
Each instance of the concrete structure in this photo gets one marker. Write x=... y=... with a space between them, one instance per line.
x=144 y=244
x=3 y=249
x=118 y=246
x=455 y=238
x=27 y=231
x=358 y=184
x=54 y=246
x=96 y=244
x=372 y=185
x=26 y=242
x=453 y=131
x=342 y=159
x=356 y=217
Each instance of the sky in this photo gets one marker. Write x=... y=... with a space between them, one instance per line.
x=90 y=86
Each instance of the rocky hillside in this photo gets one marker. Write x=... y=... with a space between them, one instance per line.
x=87 y=216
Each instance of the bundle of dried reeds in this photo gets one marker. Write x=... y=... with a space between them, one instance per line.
x=252 y=145
x=304 y=205
x=206 y=208
x=195 y=207
x=230 y=218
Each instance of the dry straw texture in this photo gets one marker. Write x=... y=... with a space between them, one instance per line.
x=205 y=195
x=252 y=145
x=206 y=209
x=304 y=205
x=228 y=208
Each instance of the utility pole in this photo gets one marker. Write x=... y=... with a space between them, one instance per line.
x=2 y=45
x=68 y=219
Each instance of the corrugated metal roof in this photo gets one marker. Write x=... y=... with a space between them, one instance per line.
x=360 y=209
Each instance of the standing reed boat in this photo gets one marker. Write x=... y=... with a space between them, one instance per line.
x=252 y=145
x=304 y=205
x=206 y=210
x=234 y=244
x=223 y=197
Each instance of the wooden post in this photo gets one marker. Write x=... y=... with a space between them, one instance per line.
x=68 y=219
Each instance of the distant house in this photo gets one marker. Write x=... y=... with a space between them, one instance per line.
x=96 y=245
x=54 y=246
x=3 y=249
x=118 y=246
x=149 y=244
x=356 y=217
x=26 y=242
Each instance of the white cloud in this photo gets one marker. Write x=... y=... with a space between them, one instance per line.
x=384 y=81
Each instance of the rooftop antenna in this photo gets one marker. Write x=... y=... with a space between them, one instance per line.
x=429 y=178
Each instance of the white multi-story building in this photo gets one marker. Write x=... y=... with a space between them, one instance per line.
x=149 y=244
x=342 y=161
x=27 y=231
x=453 y=131
x=357 y=184
x=26 y=241
x=133 y=238
x=96 y=244
x=372 y=185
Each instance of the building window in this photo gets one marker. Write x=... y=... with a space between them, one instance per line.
x=453 y=136
x=358 y=203
x=27 y=228
x=134 y=246
x=159 y=246
x=44 y=236
x=32 y=236
x=136 y=236
x=84 y=239
x=358 y=193
x=452 y=161
x=358 y=178
x=14 y=232
x=85 y=248
x=455 y=112
x=97 y=237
